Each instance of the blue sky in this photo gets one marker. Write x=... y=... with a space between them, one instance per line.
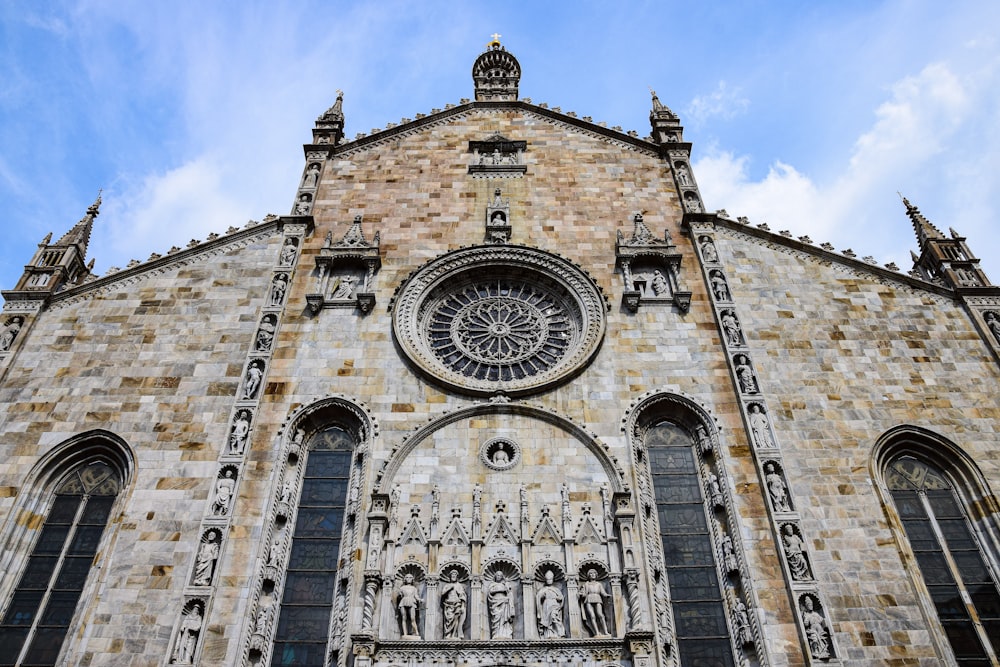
x=808 y=116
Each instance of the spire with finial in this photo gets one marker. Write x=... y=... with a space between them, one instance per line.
x=329 y=127
x=922 y=227
x=336 y=112
x=666 y=126
x=660 y=110
x=948 y=261
x=79 y=235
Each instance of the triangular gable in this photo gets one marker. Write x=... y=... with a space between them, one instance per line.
x=546 y=532
x=588 y=532
x=501 y=532
x=413 y=533
x=455 y=534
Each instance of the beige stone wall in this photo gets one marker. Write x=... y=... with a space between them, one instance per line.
x=157 y=362
x=841 y=358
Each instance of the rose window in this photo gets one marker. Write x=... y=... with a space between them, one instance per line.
x=499 y=330
x=499 y=319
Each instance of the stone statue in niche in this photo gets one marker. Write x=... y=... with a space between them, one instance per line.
x=992 y=321
x=275 y=550
x=731 y=327
x=278 y=288
x=659 y=284
x=255 y=373
x=745 y=376
x=454 y=603
x=240 y=432
x=708 y=251
x=719 y=287
x=795 y=554
x=303 y=205
x=408 y=603
x=714 y=491
x=691 y=203
x=311 y=177
x=343 y=287
x=776 y=489
x=729 y=555
x=549 y=609
x=208 y=553
x=224 y=487
x=742 y=618
x=817 y=632
x=9 y=332
x=288 y=251
x=265 y=333
x=683 y=173
x=187 y=640
x=592 y=596
x=760 y=427
x=500 y=605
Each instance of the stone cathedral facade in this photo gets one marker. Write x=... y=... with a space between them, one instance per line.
x=499 y=390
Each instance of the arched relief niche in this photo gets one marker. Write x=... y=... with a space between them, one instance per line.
x=552 y=500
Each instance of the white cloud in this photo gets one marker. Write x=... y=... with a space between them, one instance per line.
x=170 y=209
x=724 y=102
x=924 y=132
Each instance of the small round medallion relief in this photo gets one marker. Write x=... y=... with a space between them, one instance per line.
x=500 y=453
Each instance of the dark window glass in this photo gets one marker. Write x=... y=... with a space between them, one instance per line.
x=705 y=653
x=52 y=539
x=304 y=620
x=314 y=555
x=927 y=502
x=699 y=614
x=693 y=583
x=700 y=619
x=38 y=574
x=304 y=623
x=44 y=648
x=287 y=654
x=48 y=590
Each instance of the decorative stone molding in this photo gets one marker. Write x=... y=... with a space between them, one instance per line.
x=650 y=269
x=345 y=271
x=508 y=319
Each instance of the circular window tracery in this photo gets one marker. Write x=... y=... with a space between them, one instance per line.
x=490 y=319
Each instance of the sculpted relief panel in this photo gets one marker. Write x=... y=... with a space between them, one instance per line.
x=497 y=527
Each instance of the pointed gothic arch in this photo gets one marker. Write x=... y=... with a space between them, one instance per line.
x=301 y=606
x=947 y=524
x=684 y=516
x=71 y=494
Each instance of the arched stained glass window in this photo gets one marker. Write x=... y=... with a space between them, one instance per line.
x=950 y=557
x=38 y=615
x=695 y=593
x=311 y=577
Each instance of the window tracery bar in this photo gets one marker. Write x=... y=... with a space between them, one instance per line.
x=692 y=573
x=35 y=623
x=311 y=576
x=950 y=559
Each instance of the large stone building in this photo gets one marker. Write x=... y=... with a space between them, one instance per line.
x=499 y=391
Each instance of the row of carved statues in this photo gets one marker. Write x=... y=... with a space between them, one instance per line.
x=500 y=606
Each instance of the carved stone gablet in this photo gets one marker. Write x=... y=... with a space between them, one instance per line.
x=345 y=271
x=650 y=269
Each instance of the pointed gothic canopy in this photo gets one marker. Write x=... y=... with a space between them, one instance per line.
x=921 y=226
x=79 y=235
